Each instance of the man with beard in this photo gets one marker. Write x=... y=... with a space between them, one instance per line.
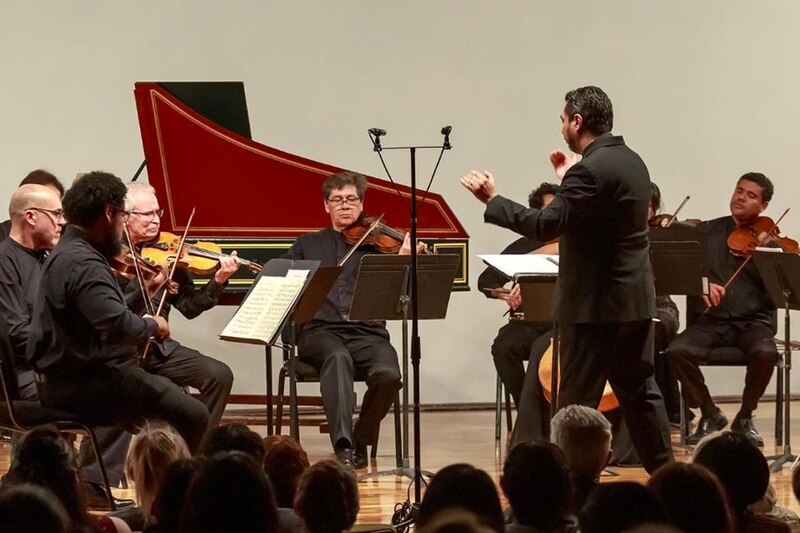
x=84 y=342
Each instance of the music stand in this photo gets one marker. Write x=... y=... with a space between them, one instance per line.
x=382 y=292
x=781 y=275
x=678 y=259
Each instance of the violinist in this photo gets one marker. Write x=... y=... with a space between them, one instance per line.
x=340 y=349
x=742 y=315
x=180 y=364
x=516 y=341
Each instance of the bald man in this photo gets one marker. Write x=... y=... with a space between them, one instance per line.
x=36 y=223
x=35 y=177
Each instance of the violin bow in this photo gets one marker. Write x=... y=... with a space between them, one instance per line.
x=675 y=214
x=375 y=224
x=169 y=279
x=148 y=303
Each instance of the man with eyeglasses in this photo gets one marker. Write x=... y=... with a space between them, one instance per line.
x=84 y=341
x=35 y=177
x=338 y=348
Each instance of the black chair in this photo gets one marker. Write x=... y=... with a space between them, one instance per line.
x=305 y=373
x=498 y=410
x=20 y=416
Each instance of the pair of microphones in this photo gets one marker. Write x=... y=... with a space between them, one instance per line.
x=377 y=133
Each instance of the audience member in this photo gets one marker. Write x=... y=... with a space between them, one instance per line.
x=462 y=486
x=327 y=498
x=584 y=435
x=45 y=459
x=284 y=463
x=152 y=450
x=171 y=498
x=536 y=482
x=233 y=437
x=743 y=471
x=616 y=507
x=230 y=492
x=455 y=521
x=693 y=498
x=27 y=506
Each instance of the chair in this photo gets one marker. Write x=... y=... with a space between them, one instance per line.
x=305 y=373
x=498 y=409
x=20 y=416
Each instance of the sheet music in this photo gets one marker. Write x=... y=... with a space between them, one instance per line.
x=513 y=264
x=267 y=305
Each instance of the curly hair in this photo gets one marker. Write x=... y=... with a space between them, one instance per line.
x=284 y=462
x=88 y=197
x=594 y=105
x=536 y=197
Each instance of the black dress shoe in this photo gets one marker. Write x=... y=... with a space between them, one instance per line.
x=360 y=458
x=345 y=458
x=96 y=498
x=744 y=426
x=706 y=426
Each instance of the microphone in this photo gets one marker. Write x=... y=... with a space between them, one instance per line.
x=375 y=134
x=446 y=132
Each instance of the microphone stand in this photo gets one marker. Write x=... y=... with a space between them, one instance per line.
x=416 y=355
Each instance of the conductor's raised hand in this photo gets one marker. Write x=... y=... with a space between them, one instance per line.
x=561 y=162
x=481 y=185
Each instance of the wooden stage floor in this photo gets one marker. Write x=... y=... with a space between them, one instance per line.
x=468 y=436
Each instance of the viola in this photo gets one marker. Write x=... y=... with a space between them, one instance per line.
x=760 y=232
x=200 y=258
x=124 y=264
x=385 y=239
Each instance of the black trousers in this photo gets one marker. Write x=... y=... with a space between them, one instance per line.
x=665 y=331
x=533 y=409
x=186 y=368
x=622 y=354
x=340 y=353
x=755 y=339
x=126 y=395
x=510 y=349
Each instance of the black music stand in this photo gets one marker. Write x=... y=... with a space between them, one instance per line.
x=318 y=283
x=382 y=292
x=538 y=292
x=781 y=275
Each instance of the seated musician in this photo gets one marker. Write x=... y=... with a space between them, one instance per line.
x=84 y=342
x=666 y=328
x=340 y=349
x=515 y=340
x=35 y=177
x=742 y=316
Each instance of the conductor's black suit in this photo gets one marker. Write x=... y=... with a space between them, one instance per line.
x=606 y=299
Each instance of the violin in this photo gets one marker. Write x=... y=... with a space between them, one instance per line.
x=124 y=264
x=200 y=258
x=385 y=239
x=760 y=232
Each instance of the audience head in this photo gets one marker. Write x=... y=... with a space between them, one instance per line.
x=327 y=498
x=796 y=483
x=740 y=467
x=152 y=450
x=45 y=178
x=171 y=498
x=462 y=486
x=620 y=506
x=536 y=482
x=455 y=521
x=693 y=498
x=45 y=459
x=284 y=462
x=233 y=437
x=229 y=493
x=542 y=195
x=584 y=435
x=24 y=505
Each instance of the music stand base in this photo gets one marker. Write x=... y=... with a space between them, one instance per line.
x=779 y=460
x=407 y=473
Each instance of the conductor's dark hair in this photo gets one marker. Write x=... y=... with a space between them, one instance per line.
x=655 y=197
x=767 y=189
x=536 y=197
x=594 y=105
x=85 y=202
x=43 y=177
x=340 y=179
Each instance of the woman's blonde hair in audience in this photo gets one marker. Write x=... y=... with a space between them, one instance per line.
x=152 y=450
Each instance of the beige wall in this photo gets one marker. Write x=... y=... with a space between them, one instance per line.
x=704 y=91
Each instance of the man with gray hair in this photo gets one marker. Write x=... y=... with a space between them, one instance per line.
x=584 y=435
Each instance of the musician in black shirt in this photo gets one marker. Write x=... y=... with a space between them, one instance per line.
x=742 y=315
x=84 y=342
x=516 y=341
x=340 y=349
x=35 y=177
